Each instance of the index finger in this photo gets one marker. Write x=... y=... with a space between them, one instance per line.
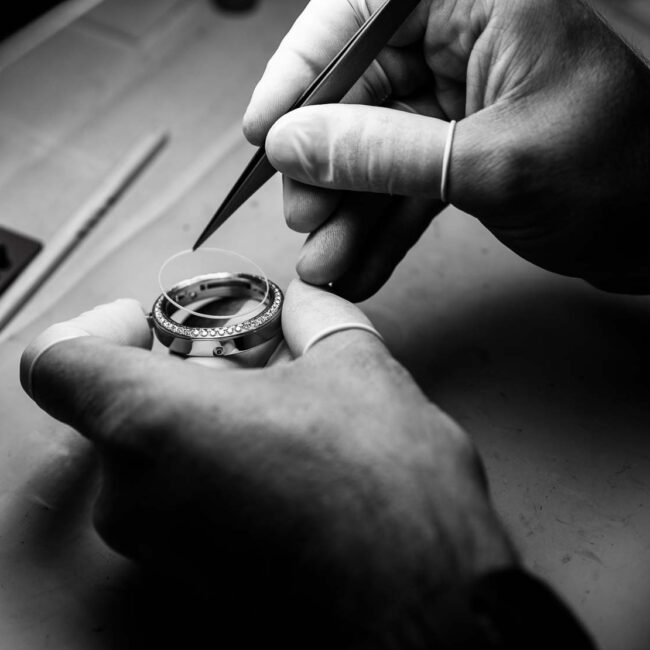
x=123 y=322
x=318 y=34
x=96 y=372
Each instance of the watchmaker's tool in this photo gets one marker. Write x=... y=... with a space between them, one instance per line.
x=329 y=87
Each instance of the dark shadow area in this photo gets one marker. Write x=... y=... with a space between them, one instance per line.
x=19 y=14
x=543 y=352
x=235 y=6
x=109 y=602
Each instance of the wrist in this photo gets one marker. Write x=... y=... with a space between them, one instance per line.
x=505 y=609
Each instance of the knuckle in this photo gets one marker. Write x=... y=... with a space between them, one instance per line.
x=379 y=376
x=455 y=443
x=490 y=178
x=456 y=437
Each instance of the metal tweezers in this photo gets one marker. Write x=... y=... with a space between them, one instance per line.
x=328 y=88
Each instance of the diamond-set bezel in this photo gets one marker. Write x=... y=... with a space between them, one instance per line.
x=220 y=333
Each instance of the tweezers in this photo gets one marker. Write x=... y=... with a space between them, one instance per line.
x=328 y=88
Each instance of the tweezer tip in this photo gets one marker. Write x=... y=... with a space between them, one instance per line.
x=202 y=237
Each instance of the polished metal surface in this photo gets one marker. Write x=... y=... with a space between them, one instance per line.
x=222 y=337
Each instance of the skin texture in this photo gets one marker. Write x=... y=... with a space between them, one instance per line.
x=552 y=149
x=325 y=493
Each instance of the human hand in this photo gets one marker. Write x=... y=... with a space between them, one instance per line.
x=324 y=495
x=551 y=151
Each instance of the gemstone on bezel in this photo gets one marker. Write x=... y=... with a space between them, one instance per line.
x=270 y=308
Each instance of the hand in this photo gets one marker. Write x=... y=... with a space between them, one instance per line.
x=326 y=491
x=551 y=151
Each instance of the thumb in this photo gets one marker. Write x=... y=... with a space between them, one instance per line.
x=311 y=315
x=360 y=148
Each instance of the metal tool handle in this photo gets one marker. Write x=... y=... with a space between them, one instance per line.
x=329 y=87
x=361 y=50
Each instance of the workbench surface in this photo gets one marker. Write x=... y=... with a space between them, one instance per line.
x=548 y=375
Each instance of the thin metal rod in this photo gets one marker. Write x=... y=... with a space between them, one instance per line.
x=85 y=219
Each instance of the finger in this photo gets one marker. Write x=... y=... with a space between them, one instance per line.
x=281 y=356
x=359 y=248
x=316 y=37
x=122 y=322
x=396 y=72
x=96 y=386
x=333 y=248
x=309 y=311
x=123 y=397
x=422 y=102
x=127 y=398
x=215 y=363
x=391 y=239
x=452 y=30
x=360 y=148
x=350 y=238
x=307 y=207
